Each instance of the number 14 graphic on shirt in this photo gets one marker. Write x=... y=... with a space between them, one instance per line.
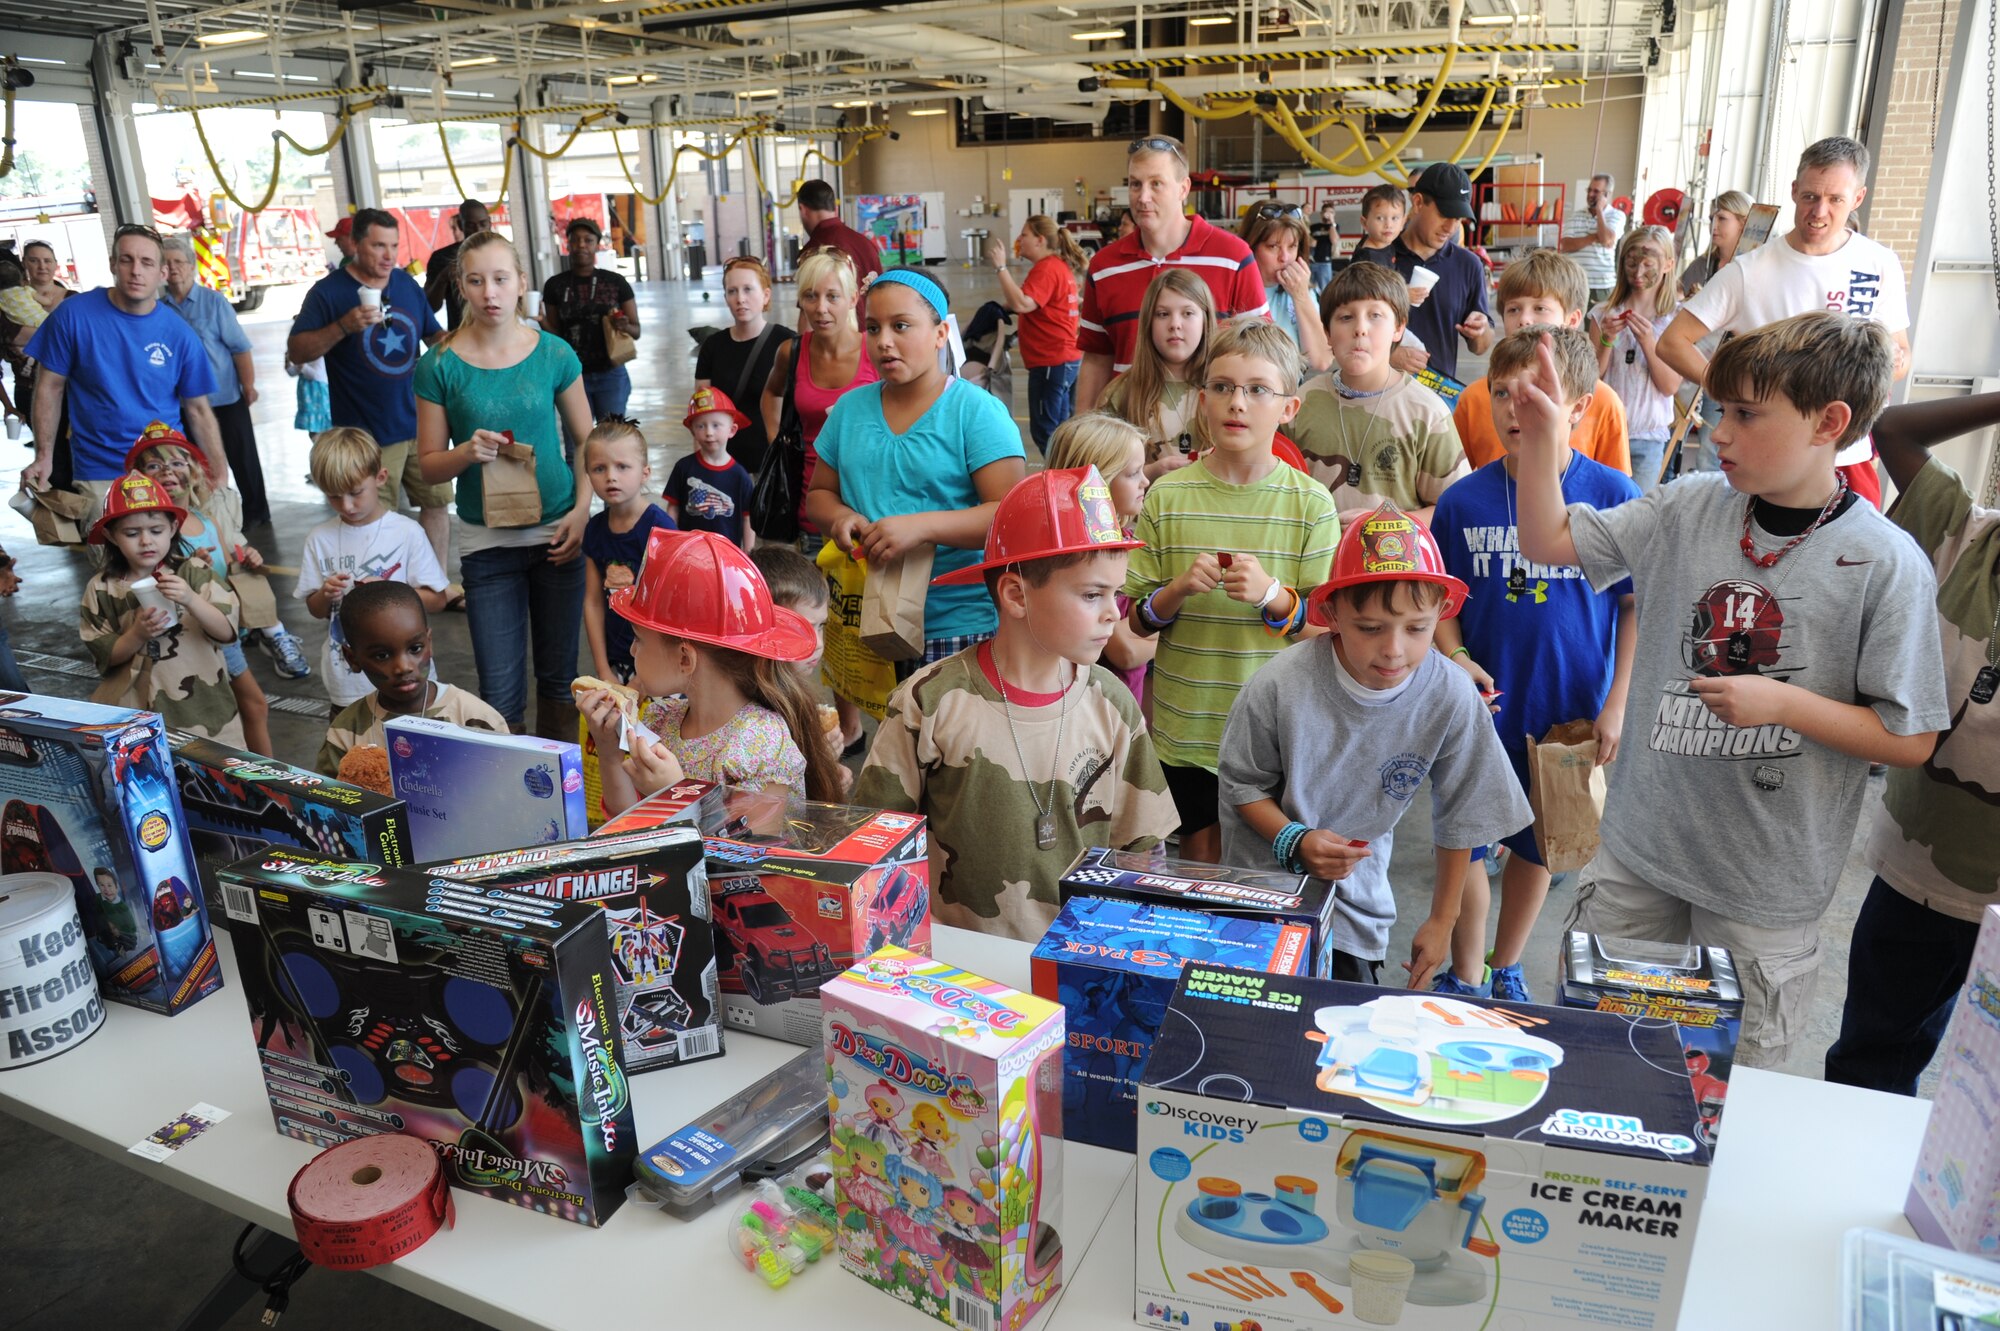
x=1737 y=629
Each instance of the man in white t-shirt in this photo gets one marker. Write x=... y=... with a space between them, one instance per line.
x=1818 y=265
x=1590 y=236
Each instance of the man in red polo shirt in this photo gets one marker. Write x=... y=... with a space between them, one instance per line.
x=819 y=214
x=1156 y=176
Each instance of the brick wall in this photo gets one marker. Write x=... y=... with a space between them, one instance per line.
x=1904 y=152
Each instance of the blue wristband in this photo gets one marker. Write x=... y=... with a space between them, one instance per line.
x=1284 y=846
x=1152 y=616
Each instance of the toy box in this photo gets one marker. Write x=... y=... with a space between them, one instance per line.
x=1321 y=1154
x=238 y=802
x=472 y=792
x=87 y=792
x=654 y=892
x=392 y=1000
x=1214 y=889
x=1693 y=987
x=697 y=804
x=946 y=1094
x=1955 y=1197
x=1113 y=965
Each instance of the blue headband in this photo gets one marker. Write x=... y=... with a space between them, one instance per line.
x=932 y=293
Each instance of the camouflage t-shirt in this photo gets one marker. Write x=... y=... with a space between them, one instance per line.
x=944 y=751
x=179 y=674
x=1399 y=445
x=360 y=722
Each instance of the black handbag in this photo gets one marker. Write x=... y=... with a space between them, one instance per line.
x=779 y=486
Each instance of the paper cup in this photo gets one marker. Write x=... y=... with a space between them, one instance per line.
x=371 y=299
x=532 y=302
x=1381 y=1282
x=13 y=427
x=147 y=592
x=1422 y=278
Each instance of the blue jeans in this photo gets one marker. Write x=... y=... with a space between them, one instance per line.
x=511 y=592
x=1703 y=457
x=10 y=670
x=1646 y=453
x=1904 y=969
x=1049 y=391
x=1322 y=273
x=607 y=391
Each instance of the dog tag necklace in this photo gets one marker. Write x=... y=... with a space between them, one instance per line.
x=1045 y=818
x=1987 y=682
x=1737 y=652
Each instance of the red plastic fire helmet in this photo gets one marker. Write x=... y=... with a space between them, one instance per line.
x=158 y=435
x=697 y=585
x=1387 y=545
x=1050 y=513
x=132 y=493
x=710 y=399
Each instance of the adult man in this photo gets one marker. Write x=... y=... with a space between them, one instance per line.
x=208 y=312
x=371 y=345
x=1590 y=236
x=1156 y=178
x=1455 y=307
x=122 y=363
x=1818 y=265
x=819 y=214
x=575 y=305
x=441 y=270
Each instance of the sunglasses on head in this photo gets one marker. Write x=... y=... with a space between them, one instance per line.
x=1155 y=145
x=1272 y=208
x=134 y=229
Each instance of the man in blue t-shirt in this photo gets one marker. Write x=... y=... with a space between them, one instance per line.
x=371 y=344
x=124 y=363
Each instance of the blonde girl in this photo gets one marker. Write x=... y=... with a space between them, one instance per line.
x=1627 y=328
x=1176 y=322
x=1117 y=449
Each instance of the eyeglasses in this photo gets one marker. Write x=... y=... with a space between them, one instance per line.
x=1257 y=394
x=1155 y=145
x=1273 y=208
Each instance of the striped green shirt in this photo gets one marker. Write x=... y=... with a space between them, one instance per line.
x=1212 y=648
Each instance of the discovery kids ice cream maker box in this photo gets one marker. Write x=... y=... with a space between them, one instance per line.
x=1321 y=1154
x=654 y=892
x=1215 y=889
x=392 y=1000
x=87 y=793
x=472 y=792
x=946 y=1095
x=1113 y=966
x=1955 y=1197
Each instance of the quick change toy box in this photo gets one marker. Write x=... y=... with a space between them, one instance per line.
x=946 y=1092
x=87 y=792
x=1214 y=889
x=472 y=792
x=1955 y=1197
x=238 y=802
x=1112 y=965
x=391 y=1000
x=1384 y=1157
x=654 y=892
x=1693 y=987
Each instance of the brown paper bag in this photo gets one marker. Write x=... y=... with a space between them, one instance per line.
x=619 y=346
x=510 y=495
x=59 y=517
x=256 y=604
x=892 y=605
x=1566 y=791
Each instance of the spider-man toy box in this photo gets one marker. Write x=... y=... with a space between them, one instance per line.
x=393 y=1000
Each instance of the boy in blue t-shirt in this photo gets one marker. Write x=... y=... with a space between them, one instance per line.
x=708 y=489
x=1538 y=640
x=614 y=540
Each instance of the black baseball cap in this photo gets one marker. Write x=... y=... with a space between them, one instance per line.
x=1447 y=188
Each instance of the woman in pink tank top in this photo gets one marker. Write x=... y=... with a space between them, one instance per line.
x=828 y=350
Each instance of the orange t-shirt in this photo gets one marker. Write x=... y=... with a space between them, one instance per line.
x=1600 y=435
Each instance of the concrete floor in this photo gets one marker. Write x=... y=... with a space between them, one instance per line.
x=168 y=1248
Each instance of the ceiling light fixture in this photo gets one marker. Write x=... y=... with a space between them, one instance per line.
x=625 y=80
x=1098 y=35
x=928 y=111
x=758 y=92
x=231 y=38
x=1490 y=20
x=1211 y=20
x=476 y=60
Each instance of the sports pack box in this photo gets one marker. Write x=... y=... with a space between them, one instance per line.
x=392 y=1000
x=1955 y=1197
x=472 y=792
x=1113 y=966
x=87 y=792
x=1399 y=1158
x=1693 y=987
x=1214 y=889
x=237 y=802
x=654 y=892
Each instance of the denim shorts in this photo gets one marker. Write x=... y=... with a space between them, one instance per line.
x=232 y=656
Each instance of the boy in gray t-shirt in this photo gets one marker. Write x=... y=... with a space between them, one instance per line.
x=1787 y=639
x=1330 y=741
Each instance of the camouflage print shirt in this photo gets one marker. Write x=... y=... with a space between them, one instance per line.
x=944 y=751
x=179 y=674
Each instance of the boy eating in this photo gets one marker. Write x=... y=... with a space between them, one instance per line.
x=708 y=489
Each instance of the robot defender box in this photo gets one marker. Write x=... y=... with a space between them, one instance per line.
x=1384 y=1157
x=1213 y=889
x=87 y=792
x=392 y=1000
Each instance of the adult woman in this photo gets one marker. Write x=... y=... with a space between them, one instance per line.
x=1725 y=229
x=492 y=377
x=38 y=258
x=824 y=363
x=1277 y=236
x=1046 y=304
x=575 y=305
x=23 y=306
x=738 y=360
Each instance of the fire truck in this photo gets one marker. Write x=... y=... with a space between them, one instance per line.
x=242 y=255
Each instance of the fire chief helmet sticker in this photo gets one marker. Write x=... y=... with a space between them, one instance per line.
x=1736 y=627
x=1099 y=518
x=1389 y=545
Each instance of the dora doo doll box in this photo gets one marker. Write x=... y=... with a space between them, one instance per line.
x=472 y=792
x=1384 y=1157
x=1955 y=1196
x=946 y=1094
x=391 y=1000
x=1213 y=889
x=87 y=792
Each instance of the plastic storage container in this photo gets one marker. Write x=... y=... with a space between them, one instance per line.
x=1890 y=1283
x=769 y=1127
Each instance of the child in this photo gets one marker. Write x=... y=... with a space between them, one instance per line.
x=1543 y=643
x=170 y=663
x=1934 y=843
x=710 y=652
x=1543 y=287
x=708 y=490
x=1021 y=751
x=1383 y=209
x=1279 y=240
x=1178 y=318
x=1368 y=430
x=614 y=540
x=386 y=638
x=1328 y=744
x=1118 y=450
x=363 y=542
x=1627 y=328
x=1239 y=523
x=797 y=585
x=1787 y=639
